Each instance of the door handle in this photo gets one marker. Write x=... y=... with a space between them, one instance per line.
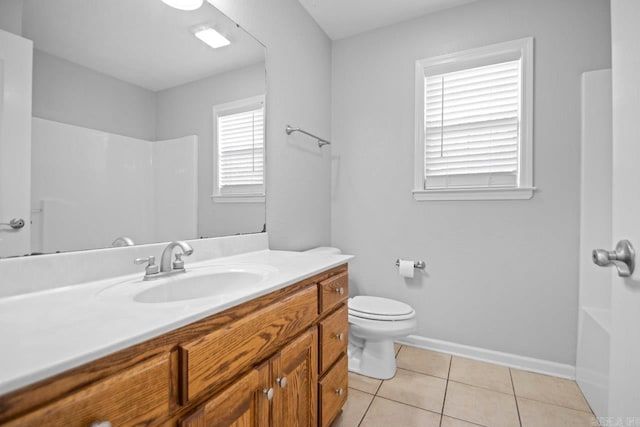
x=15 y=223
x=623 y=257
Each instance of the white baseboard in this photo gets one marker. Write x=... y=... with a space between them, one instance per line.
x=499 y=358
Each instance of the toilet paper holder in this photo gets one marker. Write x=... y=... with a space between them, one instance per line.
x=416 y=264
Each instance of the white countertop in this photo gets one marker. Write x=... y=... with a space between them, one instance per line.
x=46 y=333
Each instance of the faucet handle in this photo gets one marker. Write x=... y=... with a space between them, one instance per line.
x=151 y=268
x=178 y=263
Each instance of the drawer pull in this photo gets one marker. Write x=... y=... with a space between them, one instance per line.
x=268 y=393
x=340 y=336
x=340 y=291
x=339 y=391
x=282 y=382
x=100 y=424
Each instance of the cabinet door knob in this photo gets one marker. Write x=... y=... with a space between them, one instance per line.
x=339 y=391
x=340 y=291
x=340 y=336
x=282 y=382
x=100 y=424
x=268 y=393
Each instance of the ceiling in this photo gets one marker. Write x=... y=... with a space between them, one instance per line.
x=143 y=42
x=345 y=18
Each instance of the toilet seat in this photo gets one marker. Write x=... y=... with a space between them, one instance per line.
x=381 y=309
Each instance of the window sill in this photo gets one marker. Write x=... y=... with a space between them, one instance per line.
x=238 y=198
x=522 y=193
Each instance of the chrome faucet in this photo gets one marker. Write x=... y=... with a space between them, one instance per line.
x=178 y=265
x=122 y=241
x=166 y=267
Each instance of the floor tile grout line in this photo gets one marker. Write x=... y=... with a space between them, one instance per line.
x=554 y=404
x=446 y=387
x=366 y=411
x=484 y=388
x=457 y=381
x=515 y=397
x=422 y=373
x=407 y=404
x=466 y=421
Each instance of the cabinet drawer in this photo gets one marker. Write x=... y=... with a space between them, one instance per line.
x=333 y=291
x=333 y=337
x=333 y=392
x=220 y=355
x=137 y=396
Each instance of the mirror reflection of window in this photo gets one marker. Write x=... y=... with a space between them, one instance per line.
x=239 y=148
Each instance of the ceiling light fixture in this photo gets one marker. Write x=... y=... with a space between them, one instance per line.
x=184 y=4
x=211 y=37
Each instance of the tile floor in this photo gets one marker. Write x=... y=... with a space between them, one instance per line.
x=439 y=390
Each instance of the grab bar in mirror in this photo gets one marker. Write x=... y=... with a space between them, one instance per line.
x=321 y=141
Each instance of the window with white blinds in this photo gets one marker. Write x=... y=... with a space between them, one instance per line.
x=471 y=126
x=240 y=147
x=475 y=115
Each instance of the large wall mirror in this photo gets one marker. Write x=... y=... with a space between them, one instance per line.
x=139 y=127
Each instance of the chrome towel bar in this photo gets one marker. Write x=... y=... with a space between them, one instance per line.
x=289 y=129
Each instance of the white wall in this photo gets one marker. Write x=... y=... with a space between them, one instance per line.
x=174 y=163
x=11 y=16
x=188 y=110
x=93 y=186
x=501 y=275
x=69 y=93
x=299 y=93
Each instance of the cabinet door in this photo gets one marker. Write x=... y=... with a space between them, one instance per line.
x=245 y=403
x=295 y=375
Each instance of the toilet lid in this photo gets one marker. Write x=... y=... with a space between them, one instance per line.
x=379 y=308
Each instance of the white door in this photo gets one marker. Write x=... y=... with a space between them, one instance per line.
x=624 y=390
x=16 y=56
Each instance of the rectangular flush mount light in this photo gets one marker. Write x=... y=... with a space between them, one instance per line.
x=211 y=37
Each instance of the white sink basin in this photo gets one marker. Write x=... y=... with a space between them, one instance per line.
x=197 y=283
x=190 y=287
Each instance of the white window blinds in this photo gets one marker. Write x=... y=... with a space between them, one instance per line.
x=472 y=127
x=241 y=148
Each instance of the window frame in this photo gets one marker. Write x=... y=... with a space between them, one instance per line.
x=237 y=194
x=501 y=52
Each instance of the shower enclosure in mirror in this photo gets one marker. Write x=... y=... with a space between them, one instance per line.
x=120 y=120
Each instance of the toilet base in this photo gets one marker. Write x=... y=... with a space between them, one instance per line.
x=372 y=358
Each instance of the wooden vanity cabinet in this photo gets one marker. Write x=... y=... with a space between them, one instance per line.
x=278 y=360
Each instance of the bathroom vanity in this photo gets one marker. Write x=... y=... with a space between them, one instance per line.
x=275 y=359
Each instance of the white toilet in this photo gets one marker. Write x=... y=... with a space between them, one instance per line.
x=374 y=324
